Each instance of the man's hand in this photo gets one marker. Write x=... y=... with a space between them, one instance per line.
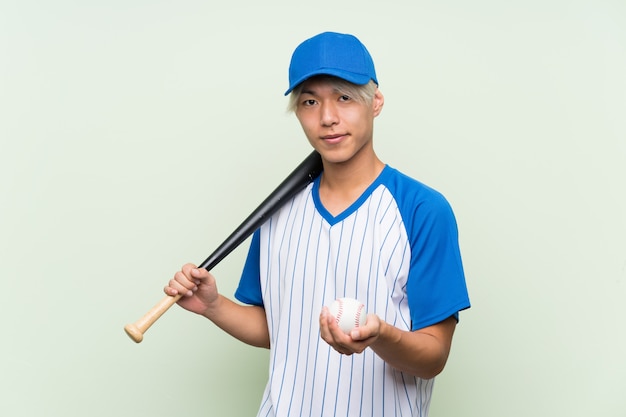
x=197 y=287
x=347 y=344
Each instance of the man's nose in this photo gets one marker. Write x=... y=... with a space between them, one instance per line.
x=329 y=115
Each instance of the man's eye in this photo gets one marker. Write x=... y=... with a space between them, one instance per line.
x=344 y=98
x=308 y=102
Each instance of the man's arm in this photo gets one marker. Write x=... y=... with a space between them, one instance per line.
x=422 y=353
x=200 y=296
x=246 y=323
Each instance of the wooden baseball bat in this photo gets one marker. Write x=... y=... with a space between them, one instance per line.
x=295 y=182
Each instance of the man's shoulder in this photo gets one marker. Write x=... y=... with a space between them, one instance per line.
x=403 y=186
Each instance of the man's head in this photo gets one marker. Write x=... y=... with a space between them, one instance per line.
x=335 y=96
x=335 y=54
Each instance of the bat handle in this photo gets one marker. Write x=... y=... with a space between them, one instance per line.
x=136 y=330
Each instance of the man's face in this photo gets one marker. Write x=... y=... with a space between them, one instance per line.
x=337 y=126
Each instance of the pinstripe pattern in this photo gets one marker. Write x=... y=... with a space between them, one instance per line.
x=308 y=259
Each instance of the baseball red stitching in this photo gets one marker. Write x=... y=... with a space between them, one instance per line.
x=339 y=310
x=357 y=316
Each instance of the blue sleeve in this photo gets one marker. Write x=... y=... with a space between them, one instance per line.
x=249 y=289
x=436 y=287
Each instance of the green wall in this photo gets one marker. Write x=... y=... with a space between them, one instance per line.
x=135 y=135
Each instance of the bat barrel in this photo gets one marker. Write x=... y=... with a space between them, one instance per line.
x=304 y=174
x=299 y=178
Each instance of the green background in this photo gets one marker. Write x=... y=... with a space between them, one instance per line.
x=135 y=136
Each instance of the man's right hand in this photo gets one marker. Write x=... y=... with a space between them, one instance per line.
x=197 y=287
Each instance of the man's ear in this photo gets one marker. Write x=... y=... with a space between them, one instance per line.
x=378 y=102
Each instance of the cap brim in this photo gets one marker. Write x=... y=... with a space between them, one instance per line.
x=358 y=79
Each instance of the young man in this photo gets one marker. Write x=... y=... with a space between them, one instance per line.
x=361 y=230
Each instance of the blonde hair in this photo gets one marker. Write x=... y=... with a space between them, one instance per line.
x=363 y=93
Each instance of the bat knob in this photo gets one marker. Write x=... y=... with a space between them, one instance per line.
x=133 y=332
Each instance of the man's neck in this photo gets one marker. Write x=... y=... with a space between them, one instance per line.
x=343 y=183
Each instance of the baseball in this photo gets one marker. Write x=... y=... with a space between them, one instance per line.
x=349 y=313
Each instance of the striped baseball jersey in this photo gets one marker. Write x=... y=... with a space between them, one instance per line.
x=396 y=250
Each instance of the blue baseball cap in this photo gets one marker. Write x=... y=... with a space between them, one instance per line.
x=330 y=53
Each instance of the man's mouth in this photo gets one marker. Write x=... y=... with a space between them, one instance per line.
x=333 y=138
